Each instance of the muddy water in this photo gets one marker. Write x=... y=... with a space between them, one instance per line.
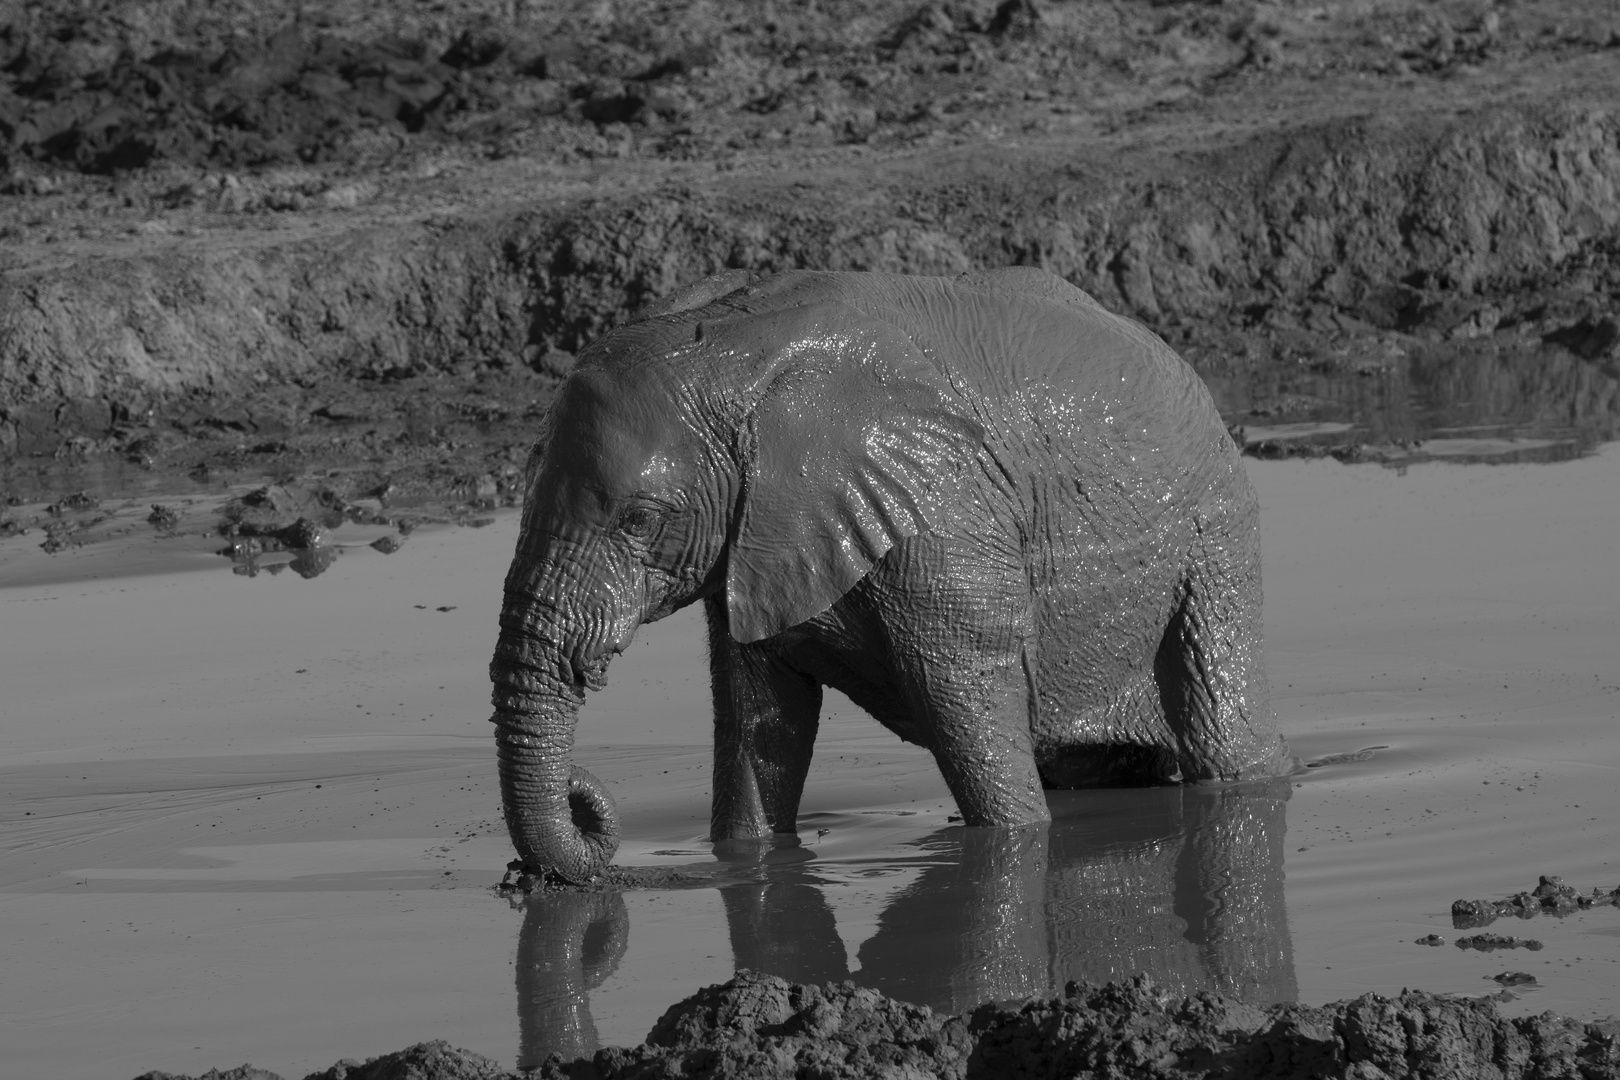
x=256 y=818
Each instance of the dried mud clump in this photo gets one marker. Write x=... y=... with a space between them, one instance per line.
x=760 y=1026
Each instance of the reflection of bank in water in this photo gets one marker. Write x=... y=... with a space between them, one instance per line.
x=1184 y=884
x=1409 y=400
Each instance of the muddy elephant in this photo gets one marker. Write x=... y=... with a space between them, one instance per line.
x=1005 y=522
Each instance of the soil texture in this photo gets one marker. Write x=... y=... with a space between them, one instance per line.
x=362 y=243
x=760 y=1026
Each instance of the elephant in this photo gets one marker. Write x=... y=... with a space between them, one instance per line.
x=1005 y=522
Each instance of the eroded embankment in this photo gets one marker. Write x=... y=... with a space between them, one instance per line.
x=1314 y=245
x=761 y=1027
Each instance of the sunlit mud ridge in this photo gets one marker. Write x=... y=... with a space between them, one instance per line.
x=759 y=1026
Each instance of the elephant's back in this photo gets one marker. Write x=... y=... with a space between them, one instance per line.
x=1053 y=375
x=1059 y=384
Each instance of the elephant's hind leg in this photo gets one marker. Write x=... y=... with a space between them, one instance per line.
x=1210 y=669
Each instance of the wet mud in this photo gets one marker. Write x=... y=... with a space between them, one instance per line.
x=761 y=1026
x=301 y=526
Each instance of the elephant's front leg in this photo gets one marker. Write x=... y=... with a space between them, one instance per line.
x=961 y=638
x=765 y=720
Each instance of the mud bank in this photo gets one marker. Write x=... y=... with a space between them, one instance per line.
x=1342 y=245
x=761 y=1026
x=292 y=239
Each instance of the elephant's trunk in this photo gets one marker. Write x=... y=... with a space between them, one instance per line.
x=560 y=817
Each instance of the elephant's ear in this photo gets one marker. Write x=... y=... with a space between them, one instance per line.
x=698 y=294
x=856 y=442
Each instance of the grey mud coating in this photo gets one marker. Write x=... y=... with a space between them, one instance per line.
x=1008 y=524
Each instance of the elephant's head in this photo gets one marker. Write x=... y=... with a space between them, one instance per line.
x=771 y=444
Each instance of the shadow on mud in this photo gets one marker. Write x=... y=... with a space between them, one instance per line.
x=1182 y=884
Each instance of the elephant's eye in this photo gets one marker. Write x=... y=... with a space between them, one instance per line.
x=638 y=521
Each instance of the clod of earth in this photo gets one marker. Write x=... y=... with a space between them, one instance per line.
x=1551 y=895
x=764 y=1028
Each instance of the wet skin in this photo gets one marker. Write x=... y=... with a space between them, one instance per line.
x=1008 y=524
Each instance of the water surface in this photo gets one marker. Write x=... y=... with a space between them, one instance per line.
x=256 y=819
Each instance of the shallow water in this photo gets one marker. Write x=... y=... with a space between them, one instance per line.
x=257 y=819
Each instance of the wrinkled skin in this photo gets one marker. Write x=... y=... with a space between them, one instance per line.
x=1005 y=522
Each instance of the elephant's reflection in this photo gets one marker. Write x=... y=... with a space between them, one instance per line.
x=1184 y=884
x=569 y=944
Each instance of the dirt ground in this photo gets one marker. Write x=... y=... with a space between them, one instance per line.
x=358 y=243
